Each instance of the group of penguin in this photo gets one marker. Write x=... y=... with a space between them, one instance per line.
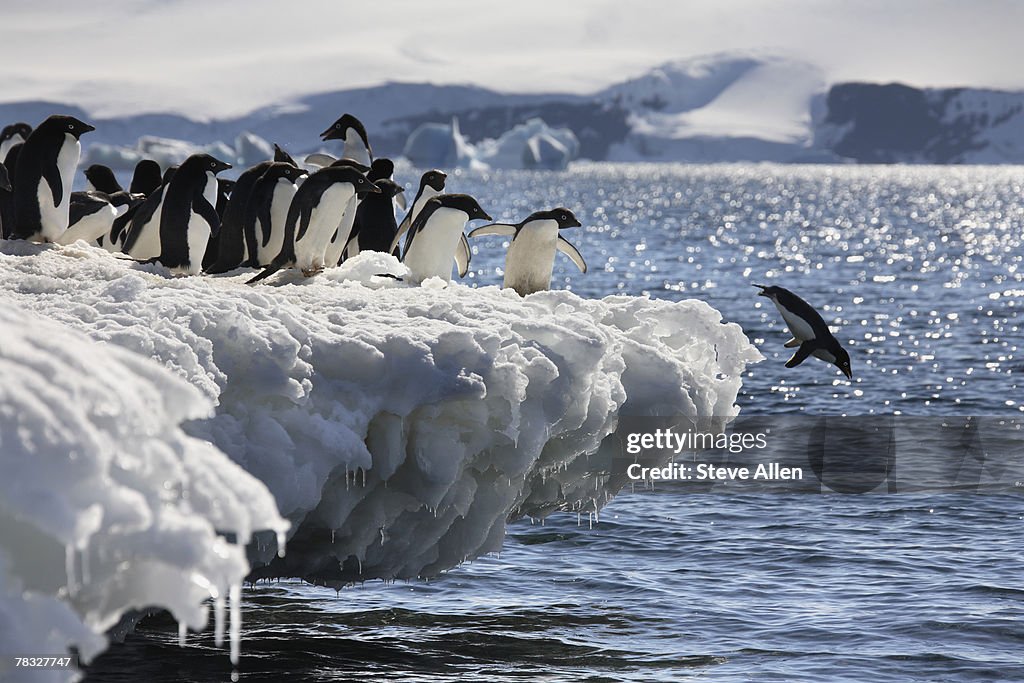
x=276 y=215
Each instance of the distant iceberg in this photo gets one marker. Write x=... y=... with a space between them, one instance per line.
x=248 y=149
x=531 y=145
x=398 y=428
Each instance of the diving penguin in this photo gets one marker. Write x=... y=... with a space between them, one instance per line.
x=531 y=254
x=810 y=333
x=436 y=237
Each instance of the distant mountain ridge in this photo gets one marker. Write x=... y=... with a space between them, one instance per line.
x=727 y=107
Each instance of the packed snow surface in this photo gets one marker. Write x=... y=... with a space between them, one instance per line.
x=397 y=427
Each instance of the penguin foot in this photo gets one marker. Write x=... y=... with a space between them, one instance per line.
x=313 y=271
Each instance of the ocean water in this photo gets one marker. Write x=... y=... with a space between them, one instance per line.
x=918 y=269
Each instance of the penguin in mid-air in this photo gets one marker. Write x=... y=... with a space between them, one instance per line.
x=266 y=212
x=173 y=226
x=12 y=135
x=93 y=213
x=313 y=218
x=436 y=237
x=43 y=178
x=810 y=333
x=351 y=130
x=531 y=253
x=101 y=179
x=146 y=178
x=431 y=185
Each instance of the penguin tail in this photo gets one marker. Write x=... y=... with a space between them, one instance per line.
x=267 y=272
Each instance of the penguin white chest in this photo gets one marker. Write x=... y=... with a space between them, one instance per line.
x=531 y=257
x=284 y=192
x=800 y=328
x=355 y=148
x=91 y=227
x=54 y=217
x=323 y=222
x=334 y=250
x=432 y=251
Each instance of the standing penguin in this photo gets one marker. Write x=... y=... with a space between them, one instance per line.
x=43 y=178
x=93 y=213
x=267 y=210
x=431 y=185
x=146 y=178
x=339 y=240
x=375 y=226
x=531 y=254
x=234 y=247
x=100 y=178
x=12 y=135
x=810 y=333
x=351 y=130
x=313 y=218
x=436 y=237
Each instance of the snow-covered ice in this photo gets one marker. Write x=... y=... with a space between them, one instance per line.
x=398 y=428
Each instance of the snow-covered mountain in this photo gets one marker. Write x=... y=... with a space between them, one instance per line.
x=746 y=106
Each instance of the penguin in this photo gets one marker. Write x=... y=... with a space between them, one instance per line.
x=313 y=218
x=7 y=196
x=375 y=226
x=810 y=333
x=92 y=214
x=43 y=178
x=174 y=226
x=267 y=210
x=5 y=182
x=436 y=236
x=12 y=135
x=431 y=185
x=335 y=251
x=224 y=191
x=234 y=247
x=283 y=156
x=146 y=178
x=531 y=253
x=351 y=130
x=101 y=178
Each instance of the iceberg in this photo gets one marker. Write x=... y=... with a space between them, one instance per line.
x=530 y=145
x=248 y=149
x=397 y=428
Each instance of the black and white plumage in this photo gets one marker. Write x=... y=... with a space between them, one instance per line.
x=313 y=218
x=811 y=336
x=531 y=253
x=234 y=247
x=266 y=212
x=100 y=178
x=351 y=131
x=374 y=227
x=93 y=213
x=431 y=185
x=437 y=237
x=43 y=177
x=14 y=134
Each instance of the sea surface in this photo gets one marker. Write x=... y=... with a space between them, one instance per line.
x=920 y=271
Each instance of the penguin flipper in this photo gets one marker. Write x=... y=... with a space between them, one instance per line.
x=503 y=229
x=806 y=349
x=208 y=213
x=320 y=160
x=792 y=343
x=267 y=272
x=305 y=215
x=463 y=255
x=52 y=175
x=400 y=200
x=572 y=252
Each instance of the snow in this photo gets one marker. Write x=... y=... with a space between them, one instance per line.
x=397 y=427
x=106 y=504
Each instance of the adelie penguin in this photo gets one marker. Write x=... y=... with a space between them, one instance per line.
x=234 y=247
x=93 y=214
x=43 y=178
x=12 y=135
x=350 y=130
x=431 y=185
x=375 y=226
x=101 y=179
x=146 y=178
x=266 y=212
x=313 y=218
x=531 y=254
x=436 y=237
x=810 y=333
x=335 y=251
x=174 y=226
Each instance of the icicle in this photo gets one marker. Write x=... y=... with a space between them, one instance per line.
x=332 y=536
x=362 y=471
x=346 y=479
x=218 y=620
x=359 y=561
x=282 y=540
x=382 y=535
x=235 y=630
x=182 y=632
x=69 y=568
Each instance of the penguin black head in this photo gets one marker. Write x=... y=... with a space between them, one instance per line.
x=381 y=168
x=349 y=174
x=20 y=128
x=282 y=169
x=207 y=163
x=770 y=291
x=434 y=179
x=563 y=216
x=388 y=188
x=463 y=202
x=5 y=182
x=146 y=177
x=102 y=178
x=282 y=156
x=67 y=124
x=339 y=129
x=224 y=185
x=843 y=361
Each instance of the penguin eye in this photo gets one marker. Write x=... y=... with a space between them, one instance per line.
x=564 y=217
x=338 y=126
x=71 y=126
x=360 y=180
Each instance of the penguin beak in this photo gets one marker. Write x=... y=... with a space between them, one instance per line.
x=847 y=372
x=86 y=128
x=575 y=224
x=486 y=216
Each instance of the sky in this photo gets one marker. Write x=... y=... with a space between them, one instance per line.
x=211 y=59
